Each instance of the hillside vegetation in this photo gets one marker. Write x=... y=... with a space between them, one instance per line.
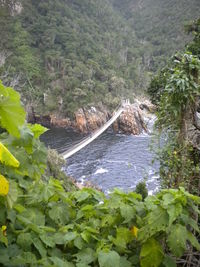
x=64 y=54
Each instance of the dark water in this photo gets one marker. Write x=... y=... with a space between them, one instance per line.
x=112 y=160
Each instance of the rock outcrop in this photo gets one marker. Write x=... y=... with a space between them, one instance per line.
x=89 y=120
x=133 y=119
x=56 y=121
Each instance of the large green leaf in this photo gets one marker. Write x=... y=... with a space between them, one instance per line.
x=37 y=129
x=156 y=221
x=47 y=240
x=151 y=254
x=109 y=259
x=124 y=236
x=177 y=239
x=174 y=211
x=86 y=256
x=59 y=213
x=40 y=247
x=32 y=216
x=7 y=158
x=12 y=114
x=127 y=212
x=24 y=240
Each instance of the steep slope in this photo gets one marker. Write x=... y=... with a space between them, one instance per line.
x=78 y=51
x=66 y=54
x=159 y=25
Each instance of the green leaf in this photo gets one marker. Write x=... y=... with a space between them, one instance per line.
x=188 y=220
x=62 y=239
x=174 y=211
x=156 y=221
x=69 y=236
x=124 y=262
x=168 y=199
x=59 y=213
x=26 y=140
x=25 y=258
x=12 y=196
x=24 y=240
x=81 y=195
x=7 y=158
x=177 y=239
x=124 y=236
x=80 y=264
x=79 y=243
x=12 y=114
x=32 y=216
x=40 y=247
x=47 y=240
x=3 y=238
x=61 y=263
x=193 y=240
x=169 y=262
x=86 y=256
x=59 y=239
x=109 y=259
x=127 y=212
x=151 y=254
x=37 y=129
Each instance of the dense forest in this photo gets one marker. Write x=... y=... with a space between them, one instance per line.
x=62 y=55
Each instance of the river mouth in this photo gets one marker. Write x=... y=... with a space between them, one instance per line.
x=111 y=161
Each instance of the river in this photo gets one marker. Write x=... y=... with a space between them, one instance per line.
x=112 y=160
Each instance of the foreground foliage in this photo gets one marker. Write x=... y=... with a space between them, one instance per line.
x=176 y=90
x=43 y=225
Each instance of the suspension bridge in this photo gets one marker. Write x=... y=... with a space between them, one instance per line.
x=96 y=133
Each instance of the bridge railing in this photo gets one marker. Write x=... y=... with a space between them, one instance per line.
x=93 y=135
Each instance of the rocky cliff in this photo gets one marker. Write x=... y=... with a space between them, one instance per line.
x=134 y=119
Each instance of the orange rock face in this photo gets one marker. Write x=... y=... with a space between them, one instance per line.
x=80 y=121
x=90 y=120
x=131 y=121
x=58 y=122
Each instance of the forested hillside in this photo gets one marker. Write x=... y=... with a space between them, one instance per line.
x=159 y=26
x=66 y=54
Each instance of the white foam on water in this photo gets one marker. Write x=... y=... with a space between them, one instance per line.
x=115 y=161
x=100 y=171
x=150 y=192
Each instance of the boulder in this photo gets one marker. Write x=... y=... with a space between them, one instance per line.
x=131 y=121
x=89 y=120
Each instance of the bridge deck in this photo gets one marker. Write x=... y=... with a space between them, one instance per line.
x=92 y=137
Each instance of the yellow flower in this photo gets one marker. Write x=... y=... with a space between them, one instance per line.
x=134 y=231
x=3 y=229
x=4 y=186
